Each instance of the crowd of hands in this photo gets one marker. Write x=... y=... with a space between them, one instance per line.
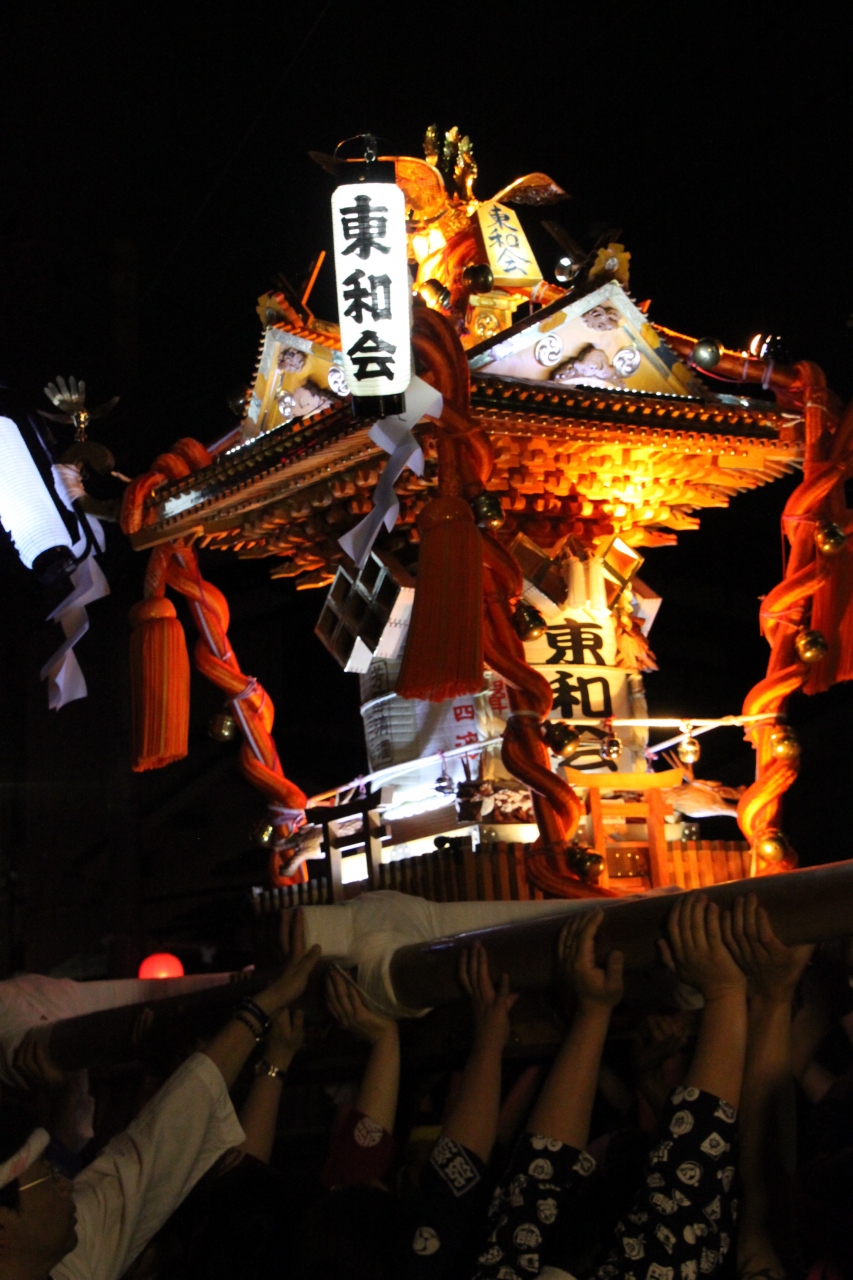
x=745 y=975
x=746 y=978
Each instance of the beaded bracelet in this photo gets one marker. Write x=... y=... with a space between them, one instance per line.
x=247 y=1005
x=253 y=1031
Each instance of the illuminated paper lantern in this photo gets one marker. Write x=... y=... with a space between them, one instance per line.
x=374 y=293
x=27 y=510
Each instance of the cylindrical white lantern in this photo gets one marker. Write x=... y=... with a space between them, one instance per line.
x=374 y=289
x=27 y=510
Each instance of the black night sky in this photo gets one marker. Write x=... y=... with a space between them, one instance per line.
x=155 y=178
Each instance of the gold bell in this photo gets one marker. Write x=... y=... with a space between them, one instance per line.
x=611 y=747
x=560 y=737
x=689 y=750
x=435 y=294
x=784 y=744
x=528 y=621
x=829 y=538
x=488 y=510
x=263 y=834
x=222 y=727
x=771 y=846
x=811 y=646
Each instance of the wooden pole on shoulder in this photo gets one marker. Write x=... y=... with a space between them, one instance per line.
x=809 y=905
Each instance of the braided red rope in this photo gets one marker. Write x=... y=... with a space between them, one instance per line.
x=829 y=457
x=175 y=564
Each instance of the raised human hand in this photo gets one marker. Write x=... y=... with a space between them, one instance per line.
x=285 y=1039
x=696 y=951
x=300 y=963
x=490 y=1007
x=592 y=985
x=772 y=969
x=69 y=396
x=348 y=1008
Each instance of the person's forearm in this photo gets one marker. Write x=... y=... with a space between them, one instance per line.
x=766 y=1105
x=564 y=1107
x=377 y=1097
x=259 y=1116
x=718 y=1060
x=230 y=1050
x=473 y=1117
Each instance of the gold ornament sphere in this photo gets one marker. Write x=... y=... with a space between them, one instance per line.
x=528 y=621
x=263 y=834
x=811 y=646
x=829 y=538
x=559 y=737
x=688 y=751
x=222 y=727
x=771 y=846
x=784 y=744
x=611 y=747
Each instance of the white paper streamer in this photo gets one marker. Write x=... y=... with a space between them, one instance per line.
x=394 y=435
x=66 y=681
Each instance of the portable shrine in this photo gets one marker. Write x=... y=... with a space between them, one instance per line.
x=467 y=471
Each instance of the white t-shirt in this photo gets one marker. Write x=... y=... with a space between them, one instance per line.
x=125 y=1196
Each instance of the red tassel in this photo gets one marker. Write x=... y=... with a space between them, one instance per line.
x=160 y=685
x=444 y=649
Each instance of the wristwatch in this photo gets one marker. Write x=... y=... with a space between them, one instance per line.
x=265 y=1068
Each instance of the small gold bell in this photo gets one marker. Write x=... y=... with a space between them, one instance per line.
x=611 y=747
x=528 y=621
x=689 y=750
x=771 y=846
x=488 y=510
x=784 y=744
x=263 y=834
x=559 y=737
x=222 y=727
x=829 y=538
x=811 y=646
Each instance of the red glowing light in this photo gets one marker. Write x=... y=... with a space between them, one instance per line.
x=161 y=965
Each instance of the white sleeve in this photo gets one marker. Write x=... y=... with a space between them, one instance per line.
x=124 y=1197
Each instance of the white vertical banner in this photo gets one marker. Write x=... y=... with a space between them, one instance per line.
x=374 y=291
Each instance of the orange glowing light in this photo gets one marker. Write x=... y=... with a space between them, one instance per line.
x=161 y=965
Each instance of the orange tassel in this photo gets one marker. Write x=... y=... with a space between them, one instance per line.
x=160 y=685
x=444 y=649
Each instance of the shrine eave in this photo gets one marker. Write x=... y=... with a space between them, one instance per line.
x=521 y=401
x=331 y=444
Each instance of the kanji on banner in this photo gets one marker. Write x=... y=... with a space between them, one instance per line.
x=374 y=288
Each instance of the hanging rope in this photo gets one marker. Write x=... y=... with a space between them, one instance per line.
x=175 y=564
x=814 y=593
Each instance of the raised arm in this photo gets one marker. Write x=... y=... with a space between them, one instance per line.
x=473 y=1117
x=767 y=1116
x=698 y=954
x=260 y=1110
x=232 y=1047
x=564 y=1107
x=380 y=1085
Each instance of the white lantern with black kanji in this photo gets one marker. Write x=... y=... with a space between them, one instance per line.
x=374 y=293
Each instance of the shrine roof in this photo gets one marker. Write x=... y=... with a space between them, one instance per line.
x=253 y=494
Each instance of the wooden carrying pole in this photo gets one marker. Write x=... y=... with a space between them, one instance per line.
x=113 y=1036
x=811 y=905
